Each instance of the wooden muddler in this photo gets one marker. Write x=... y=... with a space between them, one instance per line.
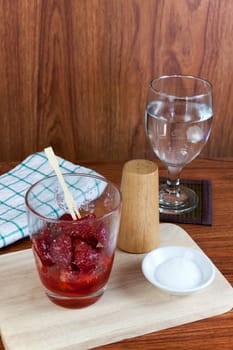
x=139 y=226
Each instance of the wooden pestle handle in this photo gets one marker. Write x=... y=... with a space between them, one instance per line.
x=139 y=226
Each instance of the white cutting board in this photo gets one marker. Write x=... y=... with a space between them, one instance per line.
x=130 y=307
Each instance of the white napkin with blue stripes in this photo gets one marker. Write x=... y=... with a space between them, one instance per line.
x=13 y=187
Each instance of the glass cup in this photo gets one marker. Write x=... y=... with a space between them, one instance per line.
x=74 y=258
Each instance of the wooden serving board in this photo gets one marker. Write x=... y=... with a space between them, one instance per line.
x=130 y=307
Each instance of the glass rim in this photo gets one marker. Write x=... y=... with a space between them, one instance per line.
x=98 y=177
x=185 y=76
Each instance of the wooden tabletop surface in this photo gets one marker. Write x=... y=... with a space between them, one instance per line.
x=216 y=241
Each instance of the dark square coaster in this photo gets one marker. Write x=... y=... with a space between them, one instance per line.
x=202 y=215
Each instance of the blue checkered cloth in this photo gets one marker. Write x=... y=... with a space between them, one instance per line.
x=13 y=187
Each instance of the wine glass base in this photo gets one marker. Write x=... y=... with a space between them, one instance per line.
x=182 y=201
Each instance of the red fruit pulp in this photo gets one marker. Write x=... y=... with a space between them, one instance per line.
x=72 y=258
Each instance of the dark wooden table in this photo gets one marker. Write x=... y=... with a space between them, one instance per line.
x=216 y=241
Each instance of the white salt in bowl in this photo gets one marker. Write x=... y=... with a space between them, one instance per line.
x=178 y=270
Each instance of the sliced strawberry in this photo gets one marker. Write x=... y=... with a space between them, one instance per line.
x=66 y=217
x=84 y=229
x=61 y=250
x=41 y=244
x=80 y=283
x=102 y=234
x=85 y=257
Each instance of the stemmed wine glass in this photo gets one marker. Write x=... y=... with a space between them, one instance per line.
x=179 y=115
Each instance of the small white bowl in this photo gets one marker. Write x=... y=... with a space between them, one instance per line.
x=178 y=270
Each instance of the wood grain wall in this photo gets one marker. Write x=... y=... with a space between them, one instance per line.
x=74 y=73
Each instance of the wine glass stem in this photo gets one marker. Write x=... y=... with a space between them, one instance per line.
x=173 y=181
